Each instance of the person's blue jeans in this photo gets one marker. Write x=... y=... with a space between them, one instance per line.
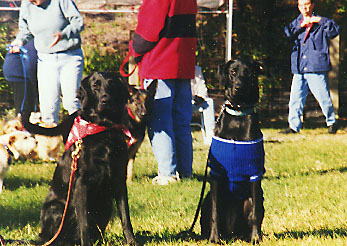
x=169 y=127
x=317 y=83
x=59 y=73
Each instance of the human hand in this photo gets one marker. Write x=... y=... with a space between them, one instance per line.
x=15 y=46
x=197 y=100
x=315 y=19
x=138 y=59
x=305 y=21
x=310 y=20
x=58 y=36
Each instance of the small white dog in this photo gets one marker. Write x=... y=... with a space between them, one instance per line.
x=20 y=143
x=12 y=125
x=16 y=144
x=48 y=148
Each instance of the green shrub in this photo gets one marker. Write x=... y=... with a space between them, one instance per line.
x=95 y=60
x=5 y=89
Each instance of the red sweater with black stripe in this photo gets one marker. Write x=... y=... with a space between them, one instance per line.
x=165 y=39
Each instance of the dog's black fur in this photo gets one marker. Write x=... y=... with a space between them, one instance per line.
x=222 y=215
x=102 y=166
x=139 y=105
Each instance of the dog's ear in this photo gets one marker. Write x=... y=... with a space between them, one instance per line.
x=152 y=88
x=123 y=89
x=82 y=93
x=11 y=140
x=226 y=73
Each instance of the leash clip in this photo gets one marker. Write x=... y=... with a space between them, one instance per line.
x=76 y=154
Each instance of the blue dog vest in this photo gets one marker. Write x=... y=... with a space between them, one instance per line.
x=236 y=161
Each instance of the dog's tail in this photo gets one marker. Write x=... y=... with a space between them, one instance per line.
x=200 y=200
x=61 y=129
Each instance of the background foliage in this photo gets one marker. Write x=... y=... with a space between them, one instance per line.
x=257 y=32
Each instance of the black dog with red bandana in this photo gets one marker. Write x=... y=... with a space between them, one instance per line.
x=101 y=168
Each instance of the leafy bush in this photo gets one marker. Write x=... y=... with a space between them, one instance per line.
x=5 y=89
x=94 y=61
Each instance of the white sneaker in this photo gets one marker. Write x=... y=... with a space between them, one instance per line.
x=165 y=180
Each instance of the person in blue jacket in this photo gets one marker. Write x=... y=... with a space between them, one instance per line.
x=310 y=63
x=23 y=85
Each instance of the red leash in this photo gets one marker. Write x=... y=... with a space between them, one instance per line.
x=75 y=156
x=125 y=61
x=79 y=130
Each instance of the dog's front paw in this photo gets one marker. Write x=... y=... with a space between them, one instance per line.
x=214 y=239
x=133 y=243
x=256 y=237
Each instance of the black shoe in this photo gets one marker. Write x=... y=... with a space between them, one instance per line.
x=288 y=131
x=332 y=129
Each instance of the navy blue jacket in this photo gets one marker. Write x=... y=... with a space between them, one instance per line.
x=13 y=68
x=311 y=55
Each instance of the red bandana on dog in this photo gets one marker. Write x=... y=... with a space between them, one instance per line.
x=82 y=128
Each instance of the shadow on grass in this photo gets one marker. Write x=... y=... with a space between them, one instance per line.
x=14 y=182
x=186 y=236
x=142 y=238
x=145 y=237
x=15 y=217
x=324 y=232
x=308 y=123
x=313 y=172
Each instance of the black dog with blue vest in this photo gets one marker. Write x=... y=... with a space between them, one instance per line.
x=234 y=206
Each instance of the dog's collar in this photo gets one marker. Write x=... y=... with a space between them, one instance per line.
x=241 y=112
x=82 y=128
x=130 y=113
x=238 y=110
x=8 y=150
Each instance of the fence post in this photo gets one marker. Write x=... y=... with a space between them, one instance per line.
x=134 y=78
x=333 y=75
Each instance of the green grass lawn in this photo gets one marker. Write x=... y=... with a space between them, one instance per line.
x=305 y=190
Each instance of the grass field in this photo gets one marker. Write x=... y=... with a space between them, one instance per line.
x=305 y=190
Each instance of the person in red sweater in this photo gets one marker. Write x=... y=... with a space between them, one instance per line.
x=164 y=46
